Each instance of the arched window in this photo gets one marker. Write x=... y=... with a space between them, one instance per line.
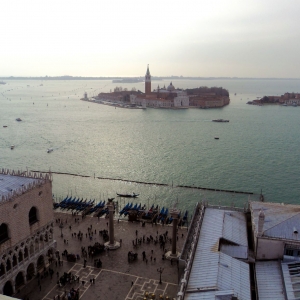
x=3 y=233
x=2 y=270
x=20 y=257
x=25 y=252
x=32 y=216
x=14 y=263
x=8 y=265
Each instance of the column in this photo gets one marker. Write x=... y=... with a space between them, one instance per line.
x=174 y=215
x=111 y=223
x=173 y=254
x=112 y=244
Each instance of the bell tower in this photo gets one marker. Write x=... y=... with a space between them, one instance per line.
x=147 y=82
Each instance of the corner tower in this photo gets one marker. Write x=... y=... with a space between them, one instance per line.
x=147 y=82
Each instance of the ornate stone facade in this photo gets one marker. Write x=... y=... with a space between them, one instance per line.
x=26 y=227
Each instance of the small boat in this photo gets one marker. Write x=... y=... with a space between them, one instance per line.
x=284 y=104
x=4 y=126
x=18 y=119
x=12 y=147
x=220 y=120
x=216 y=138
x=133 y=195
x=49 y=150
x=2 y=82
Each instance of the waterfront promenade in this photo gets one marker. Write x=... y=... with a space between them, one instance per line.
x=118 y=278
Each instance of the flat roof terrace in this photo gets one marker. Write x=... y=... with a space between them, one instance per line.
x=118 y=278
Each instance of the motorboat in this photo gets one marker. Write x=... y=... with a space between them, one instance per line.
x=4 y=126
x=133 y=195
x=221 y=120
x=216 y=138
x=12 y=147
x=18 y=119
x=49 y=150
x=2 y=82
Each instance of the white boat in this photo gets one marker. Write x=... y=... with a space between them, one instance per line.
x=18 y=119
x=12 y=147
x=2 y=82
x=49 y=150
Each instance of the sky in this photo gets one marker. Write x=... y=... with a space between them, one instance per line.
x=217 y=38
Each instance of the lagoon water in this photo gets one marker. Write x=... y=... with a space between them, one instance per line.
x=257 y=150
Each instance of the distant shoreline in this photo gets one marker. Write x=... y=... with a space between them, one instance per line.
x=138 y=78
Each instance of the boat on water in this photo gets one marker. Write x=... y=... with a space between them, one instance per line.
x=216 y=138
x=2 y=82
x=4 y=126
x=49 y=150
x=12 y=147
x=284 y=104
x=221 y=120
x=18 y=119
x=133 y=195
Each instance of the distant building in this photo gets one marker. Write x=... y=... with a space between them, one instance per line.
x=164 y=97
x=26 y=227
x=208 y=100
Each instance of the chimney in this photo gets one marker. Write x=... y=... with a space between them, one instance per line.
x=261 y=220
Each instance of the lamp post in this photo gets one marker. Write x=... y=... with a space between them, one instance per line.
x=160 y=270
x=61 y=226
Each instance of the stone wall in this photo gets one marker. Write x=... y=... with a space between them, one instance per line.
x=15 y=213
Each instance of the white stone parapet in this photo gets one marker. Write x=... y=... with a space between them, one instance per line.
x=41 y=179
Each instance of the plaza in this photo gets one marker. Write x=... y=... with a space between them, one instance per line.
x=118 y=278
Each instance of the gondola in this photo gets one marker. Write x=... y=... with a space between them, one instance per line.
x=133 y=195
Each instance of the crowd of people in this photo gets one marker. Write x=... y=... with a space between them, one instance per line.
x=90 y=252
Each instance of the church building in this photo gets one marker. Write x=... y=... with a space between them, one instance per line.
x=168 y=97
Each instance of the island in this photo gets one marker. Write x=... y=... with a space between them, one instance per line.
x=164 y=97
x=287 y=99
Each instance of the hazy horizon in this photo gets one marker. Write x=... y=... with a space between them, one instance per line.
x=253 y=39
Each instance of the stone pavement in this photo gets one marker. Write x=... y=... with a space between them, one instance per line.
x=118 y=278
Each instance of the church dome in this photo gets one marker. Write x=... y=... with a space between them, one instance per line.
x=171 y=87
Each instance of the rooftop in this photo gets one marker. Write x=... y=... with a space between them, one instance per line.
x=281 y=220
x=269 y=280
x=216 y=275
x=9 y=183
x=14 y=183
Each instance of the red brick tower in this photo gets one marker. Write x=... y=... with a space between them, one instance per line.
x=147 y=82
